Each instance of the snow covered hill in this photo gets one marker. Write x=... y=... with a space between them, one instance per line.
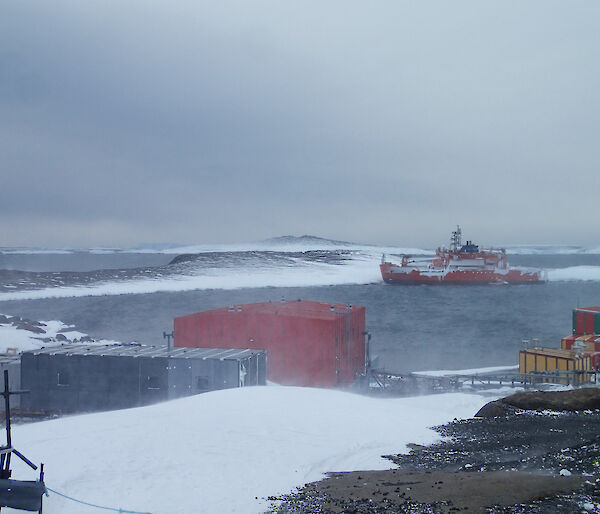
x=224 y=451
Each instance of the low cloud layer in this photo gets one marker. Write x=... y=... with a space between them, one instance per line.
x=386 y=123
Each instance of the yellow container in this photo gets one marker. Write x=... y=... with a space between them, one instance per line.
x=550 y=359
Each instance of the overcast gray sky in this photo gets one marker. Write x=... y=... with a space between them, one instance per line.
x=380 y=122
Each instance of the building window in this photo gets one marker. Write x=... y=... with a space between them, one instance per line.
x=202 y=384
x=153 y=383
x=63 y=378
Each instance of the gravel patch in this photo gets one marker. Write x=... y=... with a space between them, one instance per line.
x=528 y=461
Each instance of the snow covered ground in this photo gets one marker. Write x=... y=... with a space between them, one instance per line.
x=224 y=451
x=474 y=371
x=25 y=340
x=16 y=339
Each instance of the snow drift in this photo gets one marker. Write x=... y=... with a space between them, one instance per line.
x=224 y=451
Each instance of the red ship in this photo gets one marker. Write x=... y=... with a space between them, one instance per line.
x=459 y=264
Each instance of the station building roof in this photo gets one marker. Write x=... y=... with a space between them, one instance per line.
x=139 y=350
x=297 y=308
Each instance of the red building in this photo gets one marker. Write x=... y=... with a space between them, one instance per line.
x=308 y=343
x=586 y=320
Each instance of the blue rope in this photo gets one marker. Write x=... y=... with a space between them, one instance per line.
x=96 y=506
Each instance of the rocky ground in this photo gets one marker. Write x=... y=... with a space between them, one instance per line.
x=39 y=331
x=537 y=461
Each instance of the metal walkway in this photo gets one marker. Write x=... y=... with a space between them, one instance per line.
x=394 y=384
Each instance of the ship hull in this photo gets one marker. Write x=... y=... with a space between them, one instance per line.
x=394 y=274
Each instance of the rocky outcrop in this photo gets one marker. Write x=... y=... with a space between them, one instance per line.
x=493 y=409
x=34 y=327
x=587 y=398
x=40 y=332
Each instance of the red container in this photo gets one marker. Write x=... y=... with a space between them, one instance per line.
x=566 y=343
x=586 y=320
x=308 y=343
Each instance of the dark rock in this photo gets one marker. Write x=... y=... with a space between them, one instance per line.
x=587 y=398
x=32 y=322
x=492 y=409
x=44 y=339
x=61 y=337
x=30 y=327
x=3 y=319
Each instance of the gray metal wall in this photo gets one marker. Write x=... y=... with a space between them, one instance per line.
x=193 y=376
x=256 y=370
x=89 y=383
x=97 y=382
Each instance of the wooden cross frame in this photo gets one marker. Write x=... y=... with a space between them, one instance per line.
x=17 y=494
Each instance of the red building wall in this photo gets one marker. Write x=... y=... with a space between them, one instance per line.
x=586 y=320
x=308 y=343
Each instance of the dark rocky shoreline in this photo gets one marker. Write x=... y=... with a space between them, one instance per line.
x=536 y=461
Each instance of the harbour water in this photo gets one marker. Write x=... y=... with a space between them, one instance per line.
x=134 y=295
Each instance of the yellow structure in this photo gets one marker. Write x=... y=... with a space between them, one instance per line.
x=552 y=360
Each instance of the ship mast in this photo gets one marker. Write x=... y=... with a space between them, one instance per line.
x=455 y=240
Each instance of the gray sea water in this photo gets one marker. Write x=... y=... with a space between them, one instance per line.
x=129 y=296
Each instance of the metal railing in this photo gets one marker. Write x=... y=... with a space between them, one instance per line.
x=379 y=381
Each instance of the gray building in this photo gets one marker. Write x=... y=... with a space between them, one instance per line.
x=80 y=378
